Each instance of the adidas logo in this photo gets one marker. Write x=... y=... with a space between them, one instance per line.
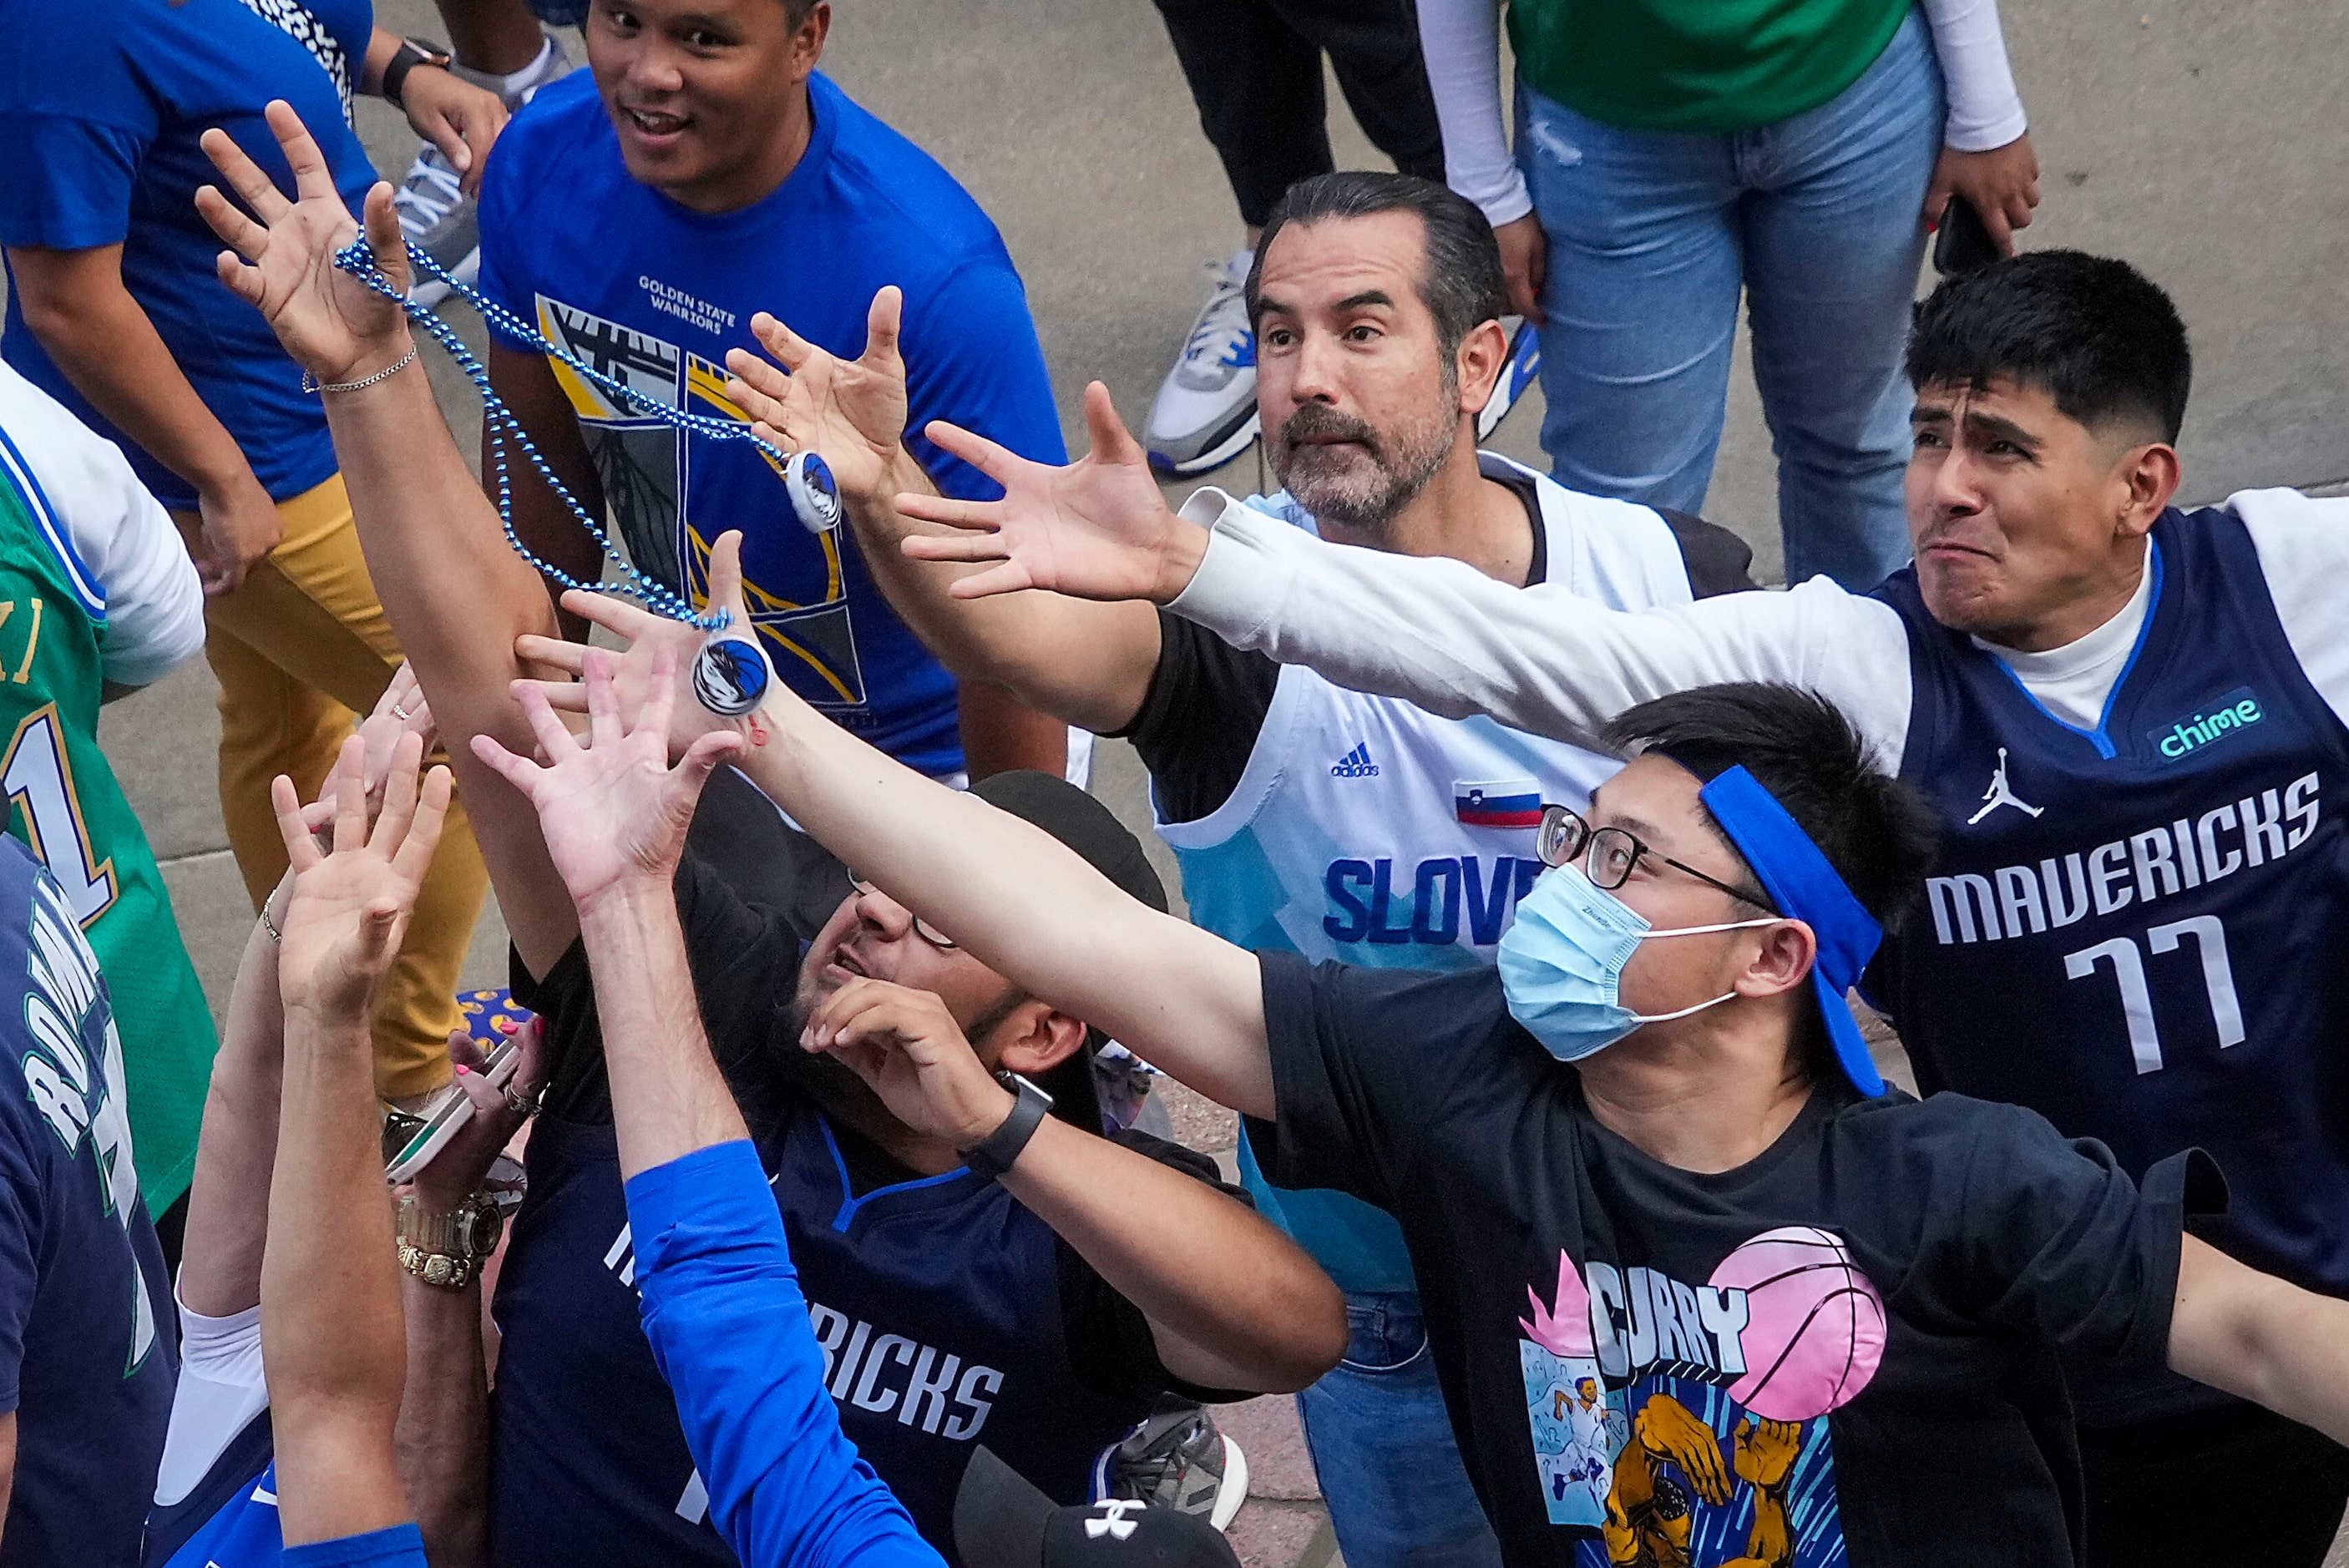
x=1355 y=764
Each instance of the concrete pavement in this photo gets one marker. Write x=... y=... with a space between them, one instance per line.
x=2203 y=138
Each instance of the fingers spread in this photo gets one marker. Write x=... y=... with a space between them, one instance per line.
x=1113 y=442
x=391 y=826
x=996 y=462
x=555 y=741
x=1010 y=577
x=383 y=235
x=781 y=341
x=300 y=848
x=245 y=176
x=880 y=324
x=247 y=237
x=414 y=857
x=610 y=612
x=313 y=180
x=726 y=575
x=922 y=508
x=350 y=795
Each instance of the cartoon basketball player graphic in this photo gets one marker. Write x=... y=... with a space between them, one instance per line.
x=1686 y=1423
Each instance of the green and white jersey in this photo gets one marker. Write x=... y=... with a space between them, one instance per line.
x=96 y=586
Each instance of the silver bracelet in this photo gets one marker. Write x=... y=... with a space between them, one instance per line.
x=311 y=383
x=268 y=925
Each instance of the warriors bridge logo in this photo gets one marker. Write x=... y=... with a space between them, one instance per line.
x=1687 y=1423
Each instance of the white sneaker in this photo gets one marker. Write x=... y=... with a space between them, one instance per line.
x=435 y=215
x=1206 y=411
x=1524 y=366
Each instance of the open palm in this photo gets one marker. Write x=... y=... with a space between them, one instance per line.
x=614 y=812
x=648 y=637
x=850 y=412
x=330 y=323
x=1097 y=528
x=350 y=902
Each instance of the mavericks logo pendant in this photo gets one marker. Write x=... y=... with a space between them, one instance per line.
x=730 y=675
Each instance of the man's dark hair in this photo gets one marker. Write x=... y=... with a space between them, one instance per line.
x=1877 y=832
x=1460 y=278
x=2097 y=336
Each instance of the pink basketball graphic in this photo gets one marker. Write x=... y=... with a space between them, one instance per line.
x=1563 y=1331
x=1815 y=1326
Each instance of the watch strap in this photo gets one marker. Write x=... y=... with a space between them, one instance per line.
x=412 y=53
x=992 y=1156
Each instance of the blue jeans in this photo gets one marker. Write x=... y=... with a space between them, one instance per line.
x=1652 y=236
x=1381 y=1446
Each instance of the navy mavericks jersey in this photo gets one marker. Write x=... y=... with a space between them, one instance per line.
x=937 y=1303
x=2137 y=930
x=82 y=1361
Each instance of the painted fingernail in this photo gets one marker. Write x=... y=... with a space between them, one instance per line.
x=463 y=1069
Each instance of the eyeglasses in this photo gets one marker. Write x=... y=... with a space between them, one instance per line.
x=922 y=928
x=1614 y=853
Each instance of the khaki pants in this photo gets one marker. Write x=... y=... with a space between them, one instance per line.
x=300 y=649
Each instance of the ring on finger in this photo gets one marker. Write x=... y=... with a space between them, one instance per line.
x=524 y=1104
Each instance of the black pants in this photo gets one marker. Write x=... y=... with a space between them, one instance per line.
x=1254 y=70
x=2236 y=1485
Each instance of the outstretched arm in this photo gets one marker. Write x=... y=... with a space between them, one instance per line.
x=722 y=1302
x=2257 y=1337
x=331 y=1332
x=1026 y=905
x=456 y=594
x=1433 y=631
x=1086 y=663
x=1232 y=1303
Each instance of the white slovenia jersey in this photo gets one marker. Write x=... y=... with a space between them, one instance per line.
x=1367 y=829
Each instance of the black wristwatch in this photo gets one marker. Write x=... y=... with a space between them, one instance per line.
x=992 y=1156
x=413 y=52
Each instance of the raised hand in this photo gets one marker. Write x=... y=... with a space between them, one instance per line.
x=908 y=1047
x=851 y=413
x=614 y=812
x=463 y=1163
x=648 y=635
x=351 y=898
x=333 y=325
x=1097 y=528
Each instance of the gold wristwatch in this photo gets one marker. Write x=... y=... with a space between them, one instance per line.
x=448 y=1250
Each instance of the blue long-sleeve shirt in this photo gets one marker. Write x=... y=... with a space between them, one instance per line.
x=730 y=1331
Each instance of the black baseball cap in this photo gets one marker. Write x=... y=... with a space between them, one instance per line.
x=1047 y=801
x=1001 y=1521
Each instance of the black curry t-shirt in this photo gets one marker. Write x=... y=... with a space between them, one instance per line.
x=1843 y=1351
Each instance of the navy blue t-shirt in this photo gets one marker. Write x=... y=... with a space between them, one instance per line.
x=100 y=109
x=653 y=294
x=1842 y=1352
x=85 y=1360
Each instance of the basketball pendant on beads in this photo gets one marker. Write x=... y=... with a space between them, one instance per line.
x=731 y=675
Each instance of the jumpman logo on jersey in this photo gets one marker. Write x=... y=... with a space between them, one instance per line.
x=2001 y=794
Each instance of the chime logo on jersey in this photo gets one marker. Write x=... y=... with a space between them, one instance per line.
x=1688 y=1423
x=1498 y=803
x=2238 y=710
x=2159 y=862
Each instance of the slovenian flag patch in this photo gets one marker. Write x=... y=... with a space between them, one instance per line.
x=1497 y=803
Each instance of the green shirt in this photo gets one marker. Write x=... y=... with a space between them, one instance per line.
x=1697 y=65
x=64 y=803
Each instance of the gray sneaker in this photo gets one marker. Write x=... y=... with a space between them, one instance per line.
x=435 y=215
x=439 y=219
x=1205 y=414
x=1178 y=1459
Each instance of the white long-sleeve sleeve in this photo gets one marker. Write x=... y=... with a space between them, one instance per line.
x=2304 y=545
x=1461 y=40
x=1984 y=110
x=1440 y=634
x=141 y=579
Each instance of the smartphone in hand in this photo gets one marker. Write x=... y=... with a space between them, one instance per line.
x=1961 y=243
x=449 y=1119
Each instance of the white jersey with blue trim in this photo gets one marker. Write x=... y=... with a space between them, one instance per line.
x=1368 y=830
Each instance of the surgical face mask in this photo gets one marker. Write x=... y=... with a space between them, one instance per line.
x=1563 y=958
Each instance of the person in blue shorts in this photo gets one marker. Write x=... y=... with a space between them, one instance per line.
x=639 y=215
x=85 y=1373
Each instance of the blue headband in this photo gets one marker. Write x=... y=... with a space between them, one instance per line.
x=1806 y=888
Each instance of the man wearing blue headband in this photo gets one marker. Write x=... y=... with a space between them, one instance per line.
x=1824 y=1319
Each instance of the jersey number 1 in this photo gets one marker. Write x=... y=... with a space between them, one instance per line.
x=2136 y=997
x=39 y=780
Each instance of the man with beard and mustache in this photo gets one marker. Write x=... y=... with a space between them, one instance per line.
x=1041 y=1311
x=1304 y=816
x=2132 y=719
